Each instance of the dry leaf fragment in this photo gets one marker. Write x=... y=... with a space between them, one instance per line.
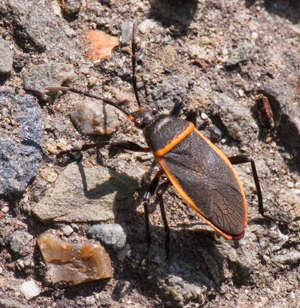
x=101 y=45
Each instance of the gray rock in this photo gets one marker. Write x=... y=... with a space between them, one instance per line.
x=183 y=291
x=286 y=114
x=86 y=194
x=37 y=77
x=236 y=118
x=110 y=234
x=287 y=257
x=240 y=55
x=21 y=141
x=72 y=6
x=33 y=31
x=19 y=241
x=6 y=59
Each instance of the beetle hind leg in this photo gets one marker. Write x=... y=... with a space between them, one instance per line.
x=236 y=160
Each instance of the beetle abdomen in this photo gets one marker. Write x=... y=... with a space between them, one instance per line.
x=205 y=178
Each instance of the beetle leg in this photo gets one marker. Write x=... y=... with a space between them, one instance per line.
x=236 y=160
x=133 y=60
x=150 y=192
x=162 y=188
x=176 y=108
x=130 y=146
x=126 y=145
x=192 y=116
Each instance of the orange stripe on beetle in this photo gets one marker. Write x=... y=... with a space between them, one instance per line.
x=175 y=141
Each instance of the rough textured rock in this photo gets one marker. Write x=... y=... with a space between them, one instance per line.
x=21 y=141
x=94 y=117
x=6 y=59
x=38 y=77
x=86 y=194
x=110 y=234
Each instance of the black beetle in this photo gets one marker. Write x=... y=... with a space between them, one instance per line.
x=197 y=169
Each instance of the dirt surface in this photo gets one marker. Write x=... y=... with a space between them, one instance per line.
x=216 y=56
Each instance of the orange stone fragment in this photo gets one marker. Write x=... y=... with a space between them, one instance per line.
x=74 y=263
x=101 y=45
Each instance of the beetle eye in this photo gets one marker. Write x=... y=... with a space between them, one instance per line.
x=139 y=123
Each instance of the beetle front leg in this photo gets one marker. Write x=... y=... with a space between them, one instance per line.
x=192 y=116
x=162 y=188
x=150 y=192
x=125 y=145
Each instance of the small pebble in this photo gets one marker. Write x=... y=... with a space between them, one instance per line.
x=30 y=289
x=124 y=252
x=110 y=234
x=5 y=209
x=92 y=81
x=146 y=26
x=204 y=116
x=67 y=230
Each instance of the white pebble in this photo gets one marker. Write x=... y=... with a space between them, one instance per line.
x=67 y=230
x=30 y=289
x=146 y=26
x=204 y=116
x=5 y=209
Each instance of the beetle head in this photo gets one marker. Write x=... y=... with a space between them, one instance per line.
x=142 y=117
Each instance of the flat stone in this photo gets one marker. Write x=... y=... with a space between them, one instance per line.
x=86 y=194
x=37 y=77
x=33 y=31
x=6 y=59
x=74 y=263
x=11 y=303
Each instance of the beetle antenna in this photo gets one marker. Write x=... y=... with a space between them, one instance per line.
x=88 y=94
x=133 y=59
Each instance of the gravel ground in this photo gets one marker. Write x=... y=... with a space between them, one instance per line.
x=217 y=56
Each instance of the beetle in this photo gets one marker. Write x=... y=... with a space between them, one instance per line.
x=202 y=175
